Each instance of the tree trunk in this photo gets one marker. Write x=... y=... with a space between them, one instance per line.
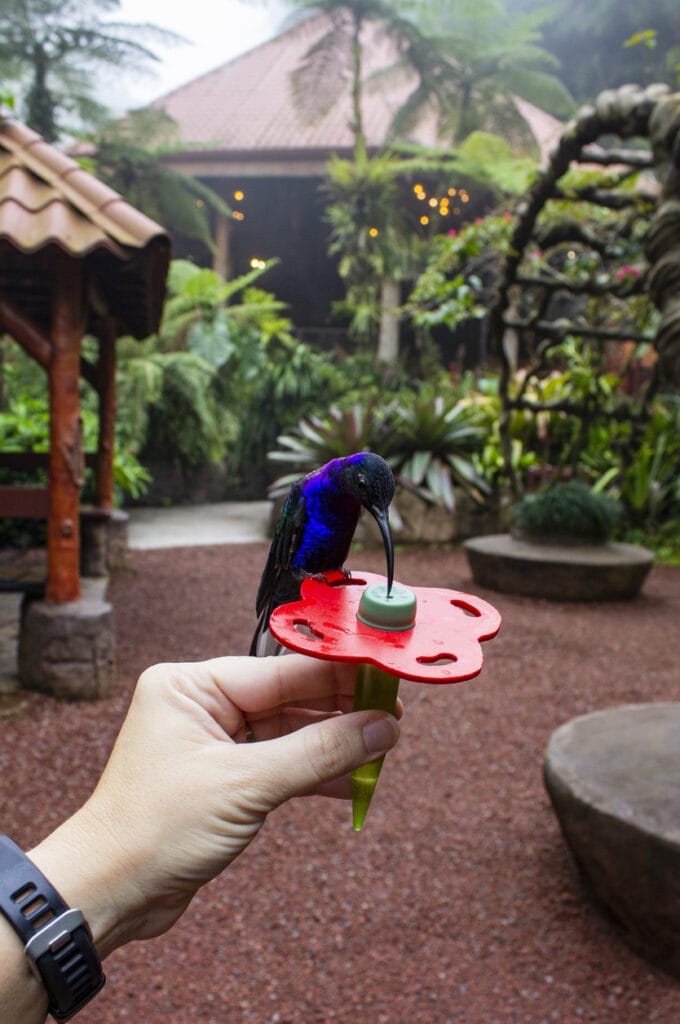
x=388 y=342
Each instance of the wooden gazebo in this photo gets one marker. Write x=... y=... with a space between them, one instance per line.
x=75 y=259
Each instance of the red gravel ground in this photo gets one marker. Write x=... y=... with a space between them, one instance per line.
x=457 y=903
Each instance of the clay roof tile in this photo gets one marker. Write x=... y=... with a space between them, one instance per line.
x=47 y=199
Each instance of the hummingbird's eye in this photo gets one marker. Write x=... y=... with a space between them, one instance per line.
x=362 y=481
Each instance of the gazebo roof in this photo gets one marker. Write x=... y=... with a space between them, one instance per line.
x=47 y=200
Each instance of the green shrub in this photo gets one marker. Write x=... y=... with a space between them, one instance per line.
x=567 y=508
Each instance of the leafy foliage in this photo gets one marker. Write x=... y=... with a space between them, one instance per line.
x=568 y=508
x=222 y=378
x=595 y=42
x=471 y=59
x=25 y=425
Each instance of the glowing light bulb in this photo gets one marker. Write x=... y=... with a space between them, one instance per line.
x=373 y=232
x=425 y=220
x=239 y=195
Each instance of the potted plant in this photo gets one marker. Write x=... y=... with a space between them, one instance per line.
x=560 y=548
x=565 y=513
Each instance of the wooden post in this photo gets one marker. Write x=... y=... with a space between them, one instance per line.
x=66 y=464
x=106 y=388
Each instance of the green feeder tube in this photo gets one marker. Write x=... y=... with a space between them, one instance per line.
x=375 y=688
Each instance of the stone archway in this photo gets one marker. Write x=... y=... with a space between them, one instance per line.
x=621 y=115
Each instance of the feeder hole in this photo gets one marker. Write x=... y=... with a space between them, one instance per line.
x=467 y=609
x=306 y=630
x=437 y=659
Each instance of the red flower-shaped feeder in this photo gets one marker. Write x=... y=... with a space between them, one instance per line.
x=425 y=634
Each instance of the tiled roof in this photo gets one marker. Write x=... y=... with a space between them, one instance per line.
x=247 y=103
x=45 y=196
x=247 y=106
x=48 y=200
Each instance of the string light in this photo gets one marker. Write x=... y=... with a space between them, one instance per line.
x=237 y=215
x=452 y=191
x=200 y=202
x=238 y=195
x=257 y=264
x=373 y=232
x=433 y=201
x=425 y=219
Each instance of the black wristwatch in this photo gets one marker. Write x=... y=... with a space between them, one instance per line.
x=57 y=939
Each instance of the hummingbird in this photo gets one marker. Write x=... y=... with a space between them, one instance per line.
x=316 y=527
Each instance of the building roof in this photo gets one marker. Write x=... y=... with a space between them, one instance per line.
x=245 y=108
x=47 y=200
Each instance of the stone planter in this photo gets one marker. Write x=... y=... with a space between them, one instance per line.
x=559 y=572
x=612 y=779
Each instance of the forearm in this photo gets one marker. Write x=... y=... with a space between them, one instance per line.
x=23 y=999
x=89 y=873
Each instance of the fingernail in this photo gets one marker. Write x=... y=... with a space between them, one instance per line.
x=380 y=734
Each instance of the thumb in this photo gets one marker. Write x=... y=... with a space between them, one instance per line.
x=301 y=762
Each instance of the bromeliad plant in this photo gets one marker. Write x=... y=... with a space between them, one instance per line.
x=428 y=438
x=432 y=440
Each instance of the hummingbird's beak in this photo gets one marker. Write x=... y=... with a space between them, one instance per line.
x=383 y=522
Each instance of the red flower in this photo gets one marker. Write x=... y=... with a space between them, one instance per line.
x=442 y=647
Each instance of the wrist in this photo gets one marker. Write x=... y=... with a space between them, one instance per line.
x=89 y=871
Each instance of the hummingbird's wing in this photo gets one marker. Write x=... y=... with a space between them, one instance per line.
x=286 y=538
x=277 y=583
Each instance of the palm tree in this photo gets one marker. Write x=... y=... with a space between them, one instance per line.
x=471 y=60
x=322 y=77
x=50 y=47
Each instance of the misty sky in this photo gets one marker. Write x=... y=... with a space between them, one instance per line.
x=218 y=29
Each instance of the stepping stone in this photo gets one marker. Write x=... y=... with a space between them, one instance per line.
x=560 y=572
x=614 y=780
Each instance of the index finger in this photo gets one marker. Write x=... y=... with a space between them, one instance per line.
x=263 y=684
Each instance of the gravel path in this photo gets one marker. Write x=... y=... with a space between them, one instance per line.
x=457 y=903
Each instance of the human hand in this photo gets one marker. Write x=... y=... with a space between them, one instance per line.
x=183 y=793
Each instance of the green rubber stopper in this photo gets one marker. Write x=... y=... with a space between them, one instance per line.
x=376 y=689
x=393 y=612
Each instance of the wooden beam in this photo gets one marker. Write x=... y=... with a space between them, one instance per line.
x=66 y=462
x=36 y=460
x=24 y=502
x=24 y=332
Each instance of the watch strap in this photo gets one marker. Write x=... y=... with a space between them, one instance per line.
x=57 y=940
